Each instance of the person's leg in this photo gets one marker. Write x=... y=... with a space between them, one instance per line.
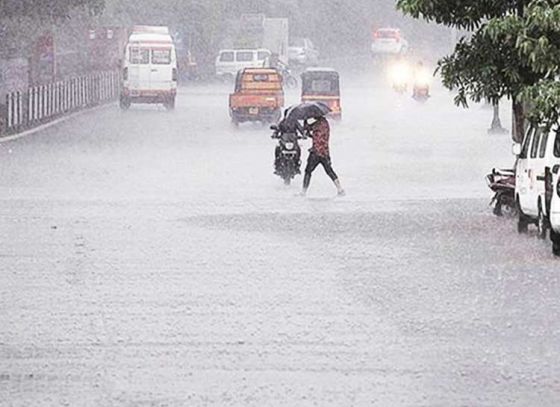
x=327 y=165
x=312 y=162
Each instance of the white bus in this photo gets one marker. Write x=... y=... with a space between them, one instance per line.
x=150 y=68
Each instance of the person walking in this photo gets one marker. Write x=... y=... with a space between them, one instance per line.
x=319 y=154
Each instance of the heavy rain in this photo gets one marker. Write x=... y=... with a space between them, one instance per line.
x=279 y=203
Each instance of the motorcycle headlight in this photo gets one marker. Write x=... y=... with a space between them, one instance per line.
x=289 y=146
x=400 y=74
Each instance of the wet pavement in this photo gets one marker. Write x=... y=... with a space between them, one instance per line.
x=151 y=258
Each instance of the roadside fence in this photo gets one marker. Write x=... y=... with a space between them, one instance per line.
x=23 y=110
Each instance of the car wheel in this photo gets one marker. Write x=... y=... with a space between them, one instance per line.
x=124 y=103
x=522 y=221
x=555 y=238
x=170 y=104
x=542 y=225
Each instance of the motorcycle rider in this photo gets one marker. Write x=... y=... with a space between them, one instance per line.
x=283 y=127
x=320 y=132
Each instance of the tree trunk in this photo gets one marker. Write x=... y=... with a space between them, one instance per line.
x=518 y=128
x=496 y=127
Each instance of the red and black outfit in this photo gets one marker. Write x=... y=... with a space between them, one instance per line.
x=319 y=153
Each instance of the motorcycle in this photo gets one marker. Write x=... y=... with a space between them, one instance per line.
x=502 y=183
x=287 y=163
x=288 y=77
x=421 y=92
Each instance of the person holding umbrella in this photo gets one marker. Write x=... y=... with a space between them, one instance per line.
x=318 y=128
x=319 y=154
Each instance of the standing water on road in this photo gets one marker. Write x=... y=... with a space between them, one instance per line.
x=149 y=256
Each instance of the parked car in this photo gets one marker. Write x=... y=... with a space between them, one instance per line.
x=258 y=96
x=555 y=207
x=388 y=41
x=230 y=61
x=303 y=52
x=538 y=155
x=150 y=68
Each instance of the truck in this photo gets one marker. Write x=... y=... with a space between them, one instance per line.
x=258 y=96
x=256 y=31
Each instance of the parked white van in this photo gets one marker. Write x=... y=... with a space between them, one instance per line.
x=555 y=208
x=150 y=68
x=537 y=157
x=230 y=61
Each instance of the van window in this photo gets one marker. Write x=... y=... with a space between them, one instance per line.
x=535 y=145
x=227 y=57
x=245 y=56
x=557 y=144
x=161 y=56
x=526 y=144
x=544 y=143
x=139 y=56
x=262 y=55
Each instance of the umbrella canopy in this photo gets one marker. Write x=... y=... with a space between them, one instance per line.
x=304 y=111
x=308 y=110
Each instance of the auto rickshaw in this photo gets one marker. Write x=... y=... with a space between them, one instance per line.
x=322 y=85
x=258 y=96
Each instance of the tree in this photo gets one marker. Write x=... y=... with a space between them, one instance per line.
x=500 y=60
x=44 y=9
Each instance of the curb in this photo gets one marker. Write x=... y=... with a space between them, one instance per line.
x=53 y=123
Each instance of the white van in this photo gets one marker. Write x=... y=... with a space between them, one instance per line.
x=150 y=68
x=555 y=208
x=537 y=157
x=230 y=61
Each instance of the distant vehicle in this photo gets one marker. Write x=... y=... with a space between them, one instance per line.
x=303 y=52
x=388 y=41
x=502 y=184
x=538 y=157
x=150 y=68
x=231 y=61
x=400 y=76
x=322 y=85
x=422 y=82
x=258 y=96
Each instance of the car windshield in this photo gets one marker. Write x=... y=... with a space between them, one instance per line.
x=245 y=56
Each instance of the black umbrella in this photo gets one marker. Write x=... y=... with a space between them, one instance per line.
x=308 y=110
x=304 y=111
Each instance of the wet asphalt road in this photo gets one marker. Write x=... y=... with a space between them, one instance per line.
x=150 y=258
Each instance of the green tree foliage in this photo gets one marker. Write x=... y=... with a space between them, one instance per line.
x=513 y=52
x=45 y=9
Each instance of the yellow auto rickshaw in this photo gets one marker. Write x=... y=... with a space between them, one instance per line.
x=322 y=85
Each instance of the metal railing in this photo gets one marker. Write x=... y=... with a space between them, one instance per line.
x=23 y=110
